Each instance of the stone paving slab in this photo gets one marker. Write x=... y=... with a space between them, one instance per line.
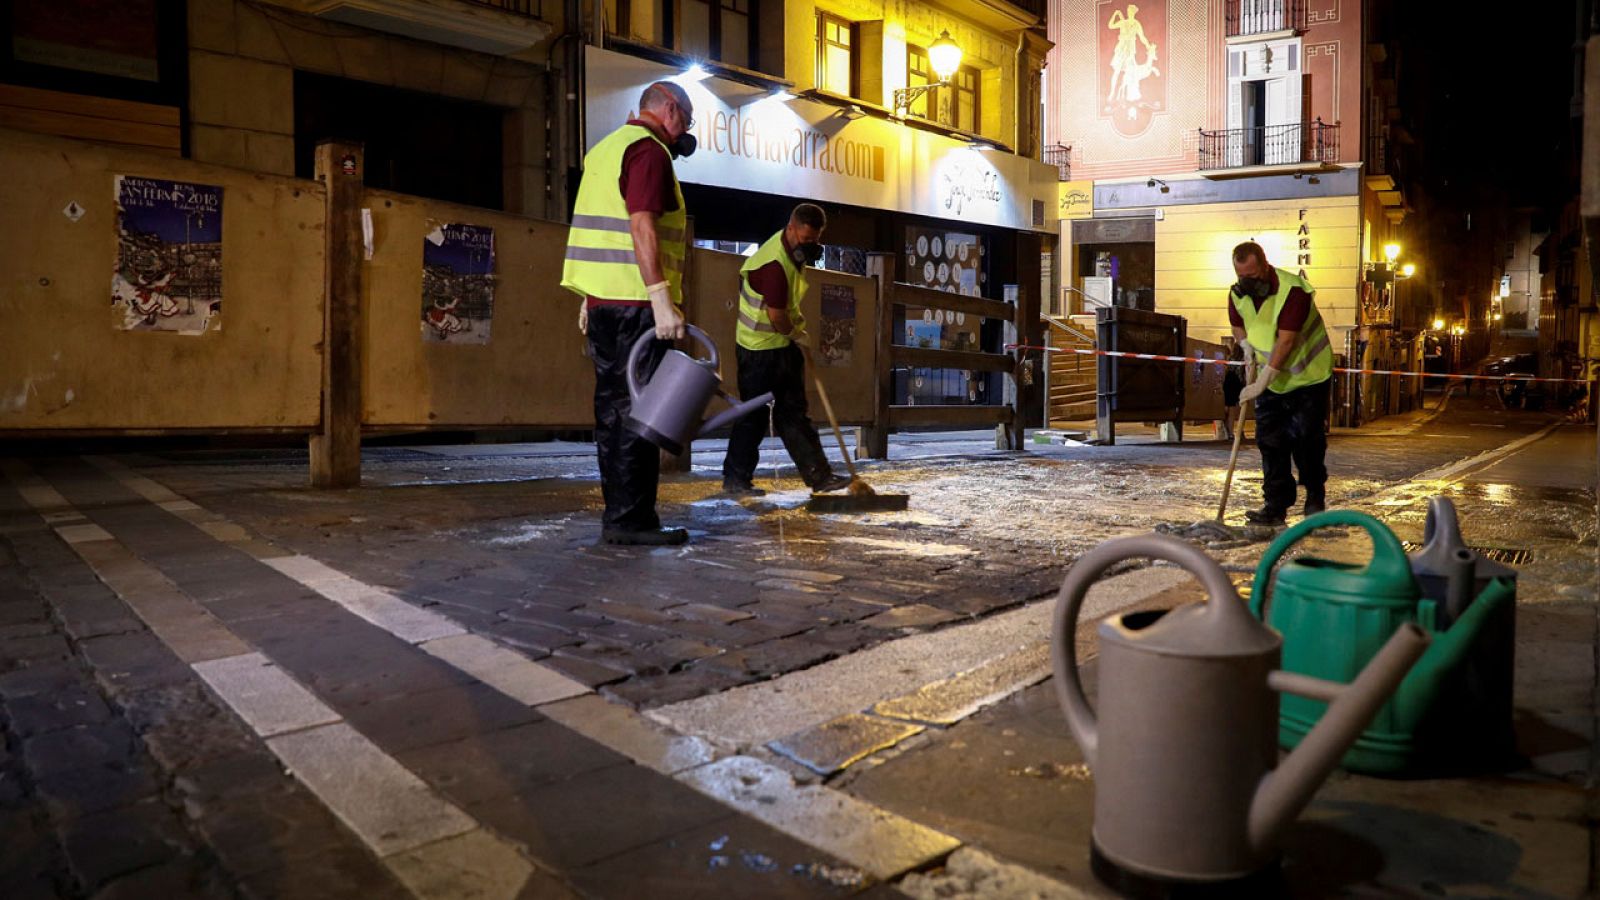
x=264 y=696
x=878 y=842
x=390 y=808
x=577 y=821
x=831 y=746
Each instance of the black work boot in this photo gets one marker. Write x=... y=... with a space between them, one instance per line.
x=647 y=537
x=1315 y=503
x=831 y=483
x=737 y=489
x=1266 y=515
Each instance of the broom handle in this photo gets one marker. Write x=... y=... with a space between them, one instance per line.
x=827 y=408
x=1233 y=460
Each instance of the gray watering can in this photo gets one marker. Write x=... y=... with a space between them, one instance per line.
x=668 y=408
x=1188 y=785
x=1471 y=725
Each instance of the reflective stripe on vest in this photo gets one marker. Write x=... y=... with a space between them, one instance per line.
x=1311 y=359
x=600 y=259
x=755 y=330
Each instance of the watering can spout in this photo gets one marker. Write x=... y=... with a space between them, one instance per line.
x=1288 y=788
x=735 y=412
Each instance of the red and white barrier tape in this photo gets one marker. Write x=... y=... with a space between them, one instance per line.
x=1225 y=362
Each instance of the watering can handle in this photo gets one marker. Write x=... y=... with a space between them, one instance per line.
x=631 y=371
x=1388 y=557
x=1223 y=602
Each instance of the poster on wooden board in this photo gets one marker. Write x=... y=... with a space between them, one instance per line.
x=168 y=271
x=458 y=284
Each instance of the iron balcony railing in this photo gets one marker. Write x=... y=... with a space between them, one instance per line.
x=1272 y=145
x=1060 y=156
x=1264 y=16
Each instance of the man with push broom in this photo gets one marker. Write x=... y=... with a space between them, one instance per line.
x=772 y=283
x=1275 y=318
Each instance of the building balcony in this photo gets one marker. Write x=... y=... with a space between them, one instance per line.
x=1272 y=145
x=1247 y=17
x=1060 y=156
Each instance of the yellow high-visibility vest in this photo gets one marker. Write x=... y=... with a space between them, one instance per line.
x=1311 y=360
x=755 y=331
x=600 y=259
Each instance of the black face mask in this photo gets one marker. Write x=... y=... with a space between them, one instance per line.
x=684 y=145
x=807 y=254
x=1253 y=287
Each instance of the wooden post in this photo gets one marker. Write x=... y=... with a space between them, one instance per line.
x=875 y=438
x=683 y=462
x=336 y=447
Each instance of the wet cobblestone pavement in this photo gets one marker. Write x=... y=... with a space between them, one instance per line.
x=449 y=620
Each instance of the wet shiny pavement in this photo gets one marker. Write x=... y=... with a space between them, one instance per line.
x=373 y=599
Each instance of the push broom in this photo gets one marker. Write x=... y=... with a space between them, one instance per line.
x=859 y=496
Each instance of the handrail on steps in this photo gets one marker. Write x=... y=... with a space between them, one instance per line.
x=1066 y=326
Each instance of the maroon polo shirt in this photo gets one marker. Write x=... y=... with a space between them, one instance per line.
x=770 y=283
x=647 y=185
x=1296 y=307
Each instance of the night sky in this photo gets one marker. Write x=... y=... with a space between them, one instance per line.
x=1488 y=91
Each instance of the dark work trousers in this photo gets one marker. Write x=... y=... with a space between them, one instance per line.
x=783 y=372
x=1293 y=427
x=630 y=466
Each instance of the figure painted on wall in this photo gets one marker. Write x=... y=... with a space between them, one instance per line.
x=1130 y=56
x=1126 y=69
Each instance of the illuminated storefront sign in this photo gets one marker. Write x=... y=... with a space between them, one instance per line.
x=750 y=139
x=1075 y=199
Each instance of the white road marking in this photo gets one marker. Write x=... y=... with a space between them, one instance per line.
x=395 y=813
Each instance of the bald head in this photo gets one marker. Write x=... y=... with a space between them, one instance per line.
x=667 y=104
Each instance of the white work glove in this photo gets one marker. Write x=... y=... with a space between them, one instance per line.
x=669 y=322
x=1255 y=388
x=583 y=316
x=1248 y=354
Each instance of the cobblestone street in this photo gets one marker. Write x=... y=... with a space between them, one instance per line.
x=215 y=681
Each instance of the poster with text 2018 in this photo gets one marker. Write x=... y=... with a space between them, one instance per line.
x=168 y=273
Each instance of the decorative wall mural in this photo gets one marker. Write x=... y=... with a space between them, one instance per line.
x=1133 y=84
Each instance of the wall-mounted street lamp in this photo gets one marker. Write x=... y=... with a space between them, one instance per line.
x=944 y=55
x=1152 y=182
x=1438 y=324
x=1391 y=252
x=1408 y=270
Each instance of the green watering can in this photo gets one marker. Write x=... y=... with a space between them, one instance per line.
x=1335 y=617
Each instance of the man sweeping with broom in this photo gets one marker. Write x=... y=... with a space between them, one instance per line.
x=1275 y=317
x=772 y=283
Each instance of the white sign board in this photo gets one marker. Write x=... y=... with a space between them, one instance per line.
x=751 y=139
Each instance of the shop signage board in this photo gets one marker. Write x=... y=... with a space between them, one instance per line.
x=755 y=140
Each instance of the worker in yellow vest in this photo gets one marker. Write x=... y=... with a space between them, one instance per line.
x=625 y=254
x=772 y=282
x=1275 y=319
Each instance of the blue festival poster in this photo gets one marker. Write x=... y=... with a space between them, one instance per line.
x=169 y=255
x=458 y=284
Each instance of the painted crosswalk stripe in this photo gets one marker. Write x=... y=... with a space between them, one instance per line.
x=418 y=834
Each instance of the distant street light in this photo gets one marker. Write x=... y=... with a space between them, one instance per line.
x=1391 y=252
x=1438 y=324
x=1408 y=270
